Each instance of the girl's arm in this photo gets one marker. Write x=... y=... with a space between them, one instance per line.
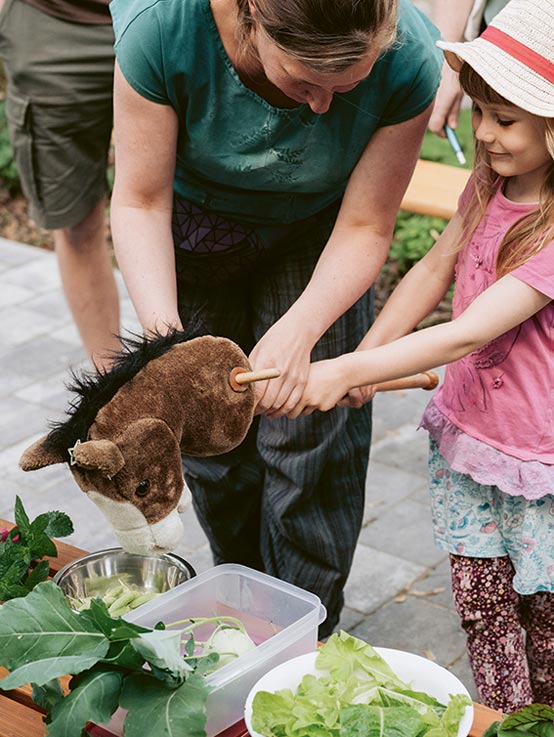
x=349 y=264
x=145 y=137
x=505 y=304
x=420 y=291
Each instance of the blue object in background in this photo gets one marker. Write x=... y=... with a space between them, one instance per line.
x=455 y=143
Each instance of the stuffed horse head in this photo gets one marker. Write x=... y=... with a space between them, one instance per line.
x=128 y=427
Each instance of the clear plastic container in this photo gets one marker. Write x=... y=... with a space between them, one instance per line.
x=281 y=619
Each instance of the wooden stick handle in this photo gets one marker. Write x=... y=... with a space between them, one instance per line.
x=425 y=380
x=248 y=377
x=240 y=379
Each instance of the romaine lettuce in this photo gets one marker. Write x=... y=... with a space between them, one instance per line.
x=357 y=695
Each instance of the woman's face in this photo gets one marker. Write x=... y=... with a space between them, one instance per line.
x=304 y=85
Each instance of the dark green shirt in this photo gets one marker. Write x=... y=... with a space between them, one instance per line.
x=236 y=153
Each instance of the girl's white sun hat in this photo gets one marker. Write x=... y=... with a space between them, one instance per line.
x=514 y=55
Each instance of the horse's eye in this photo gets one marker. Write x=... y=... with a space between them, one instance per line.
x=143 y=488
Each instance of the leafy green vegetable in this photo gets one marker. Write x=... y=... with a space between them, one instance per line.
x=41 y=638
x=156 y=674
x=374 y=721
x=357 y=695
x=22 y=548
x=95 y=699
x=48 y=694
x=345 y=657
x=177 y=713
x=535 y=719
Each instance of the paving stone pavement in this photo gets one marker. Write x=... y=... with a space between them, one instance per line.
x=398 y=594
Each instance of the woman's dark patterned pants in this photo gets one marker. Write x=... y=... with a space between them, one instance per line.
x=510 y=637
x=290 y=499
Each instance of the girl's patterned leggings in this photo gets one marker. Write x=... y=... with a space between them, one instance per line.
x=510 y=637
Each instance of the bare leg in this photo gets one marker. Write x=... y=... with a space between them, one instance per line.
x=89 y=285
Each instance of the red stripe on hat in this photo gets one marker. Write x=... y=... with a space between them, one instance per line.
x=520 y=51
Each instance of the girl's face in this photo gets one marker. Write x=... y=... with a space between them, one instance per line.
x=303 y=85
x=514 y=140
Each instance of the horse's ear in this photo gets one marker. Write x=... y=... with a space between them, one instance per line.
x=100 y=455
x=39 y=455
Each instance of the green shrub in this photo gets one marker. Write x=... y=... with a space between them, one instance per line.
x=413 y=237
x=415 y=234
x=9 y=177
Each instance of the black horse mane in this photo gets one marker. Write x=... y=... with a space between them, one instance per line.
x=94 y=389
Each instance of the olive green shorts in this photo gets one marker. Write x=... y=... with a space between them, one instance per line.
x=59 y=110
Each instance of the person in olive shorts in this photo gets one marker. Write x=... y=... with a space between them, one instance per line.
x=59 y=61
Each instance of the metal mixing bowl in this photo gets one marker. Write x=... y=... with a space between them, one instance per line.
x=153 y=573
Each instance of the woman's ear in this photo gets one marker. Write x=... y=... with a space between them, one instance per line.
x=252 y=9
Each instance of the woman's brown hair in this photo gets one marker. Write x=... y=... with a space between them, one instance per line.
x=325 y=35
x=532 y=231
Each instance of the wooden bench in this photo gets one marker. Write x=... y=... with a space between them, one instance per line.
x=21 y=717
x=434 y=189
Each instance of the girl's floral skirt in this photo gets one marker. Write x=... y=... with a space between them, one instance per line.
x=481 y=521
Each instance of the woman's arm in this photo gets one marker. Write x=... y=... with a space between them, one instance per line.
x=349 y=264
x=505 y=304
x=145 y=136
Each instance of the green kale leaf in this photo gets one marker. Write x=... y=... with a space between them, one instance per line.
x=114 y=664
x=535 y=719
x=167 y=712
x=95 y=699
x=41 y=638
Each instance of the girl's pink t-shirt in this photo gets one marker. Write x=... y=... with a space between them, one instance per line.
x=503 y=393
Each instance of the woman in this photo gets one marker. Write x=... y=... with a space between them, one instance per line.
x=263 y=148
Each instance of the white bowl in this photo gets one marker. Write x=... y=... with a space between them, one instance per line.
x=423 y=674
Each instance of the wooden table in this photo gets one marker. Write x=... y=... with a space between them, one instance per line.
x=434 y=189
x=21 y=717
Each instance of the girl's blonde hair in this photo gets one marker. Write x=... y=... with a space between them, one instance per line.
x=324 y=35
x=532 y=231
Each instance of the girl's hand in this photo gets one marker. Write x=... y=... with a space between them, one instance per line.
x=285 y=348
x=358 y=396
x=326 y=387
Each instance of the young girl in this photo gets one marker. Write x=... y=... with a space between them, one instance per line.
x=491 y=424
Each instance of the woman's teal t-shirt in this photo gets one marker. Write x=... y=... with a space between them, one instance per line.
x=236 y=153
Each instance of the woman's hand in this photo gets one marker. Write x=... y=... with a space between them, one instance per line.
x=286 y=348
